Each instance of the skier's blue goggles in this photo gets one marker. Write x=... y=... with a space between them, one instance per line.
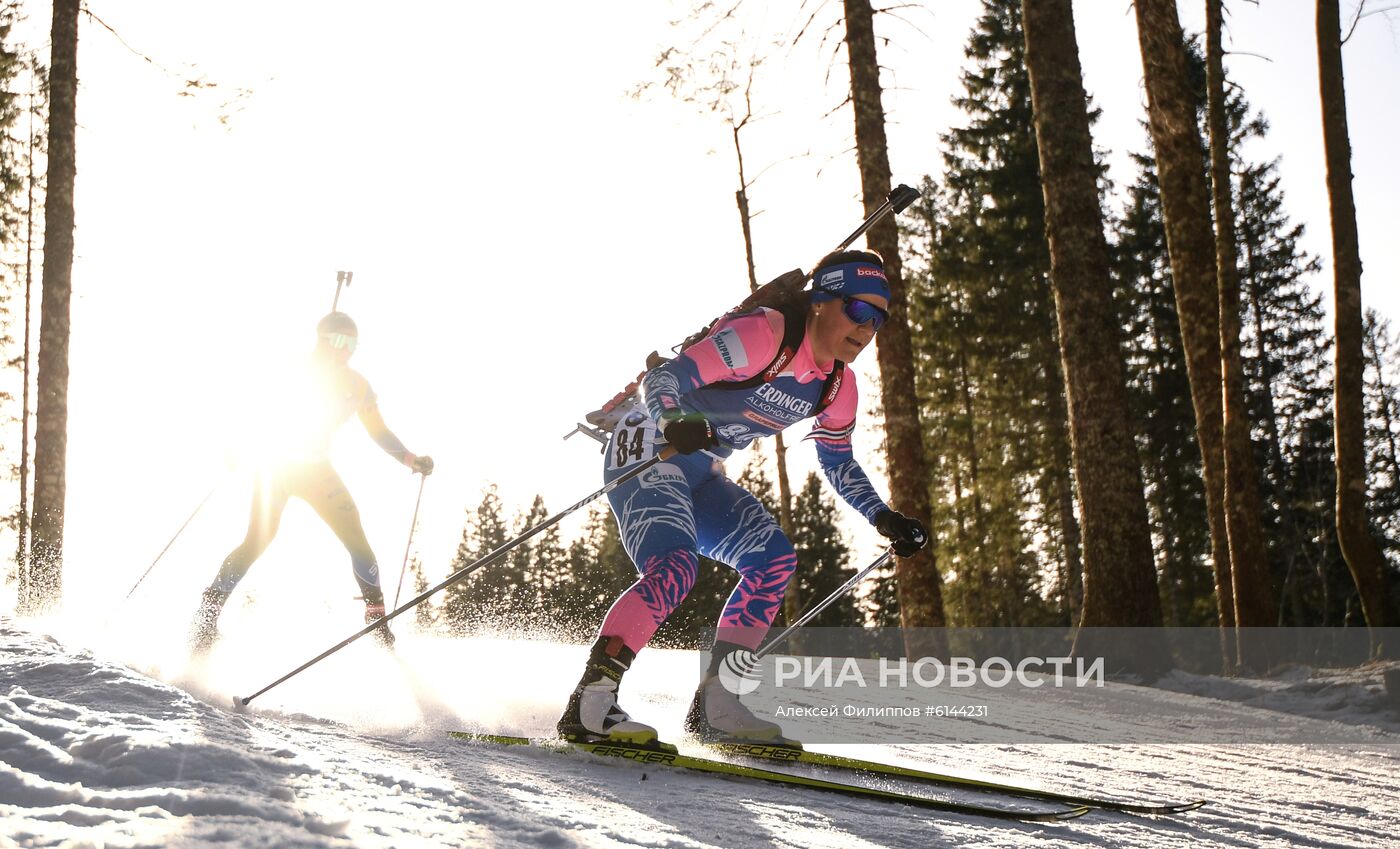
x=862 y=312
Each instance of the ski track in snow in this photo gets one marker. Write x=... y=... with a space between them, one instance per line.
x=96 y=755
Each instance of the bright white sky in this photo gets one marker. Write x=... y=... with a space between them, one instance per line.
x=521 y=232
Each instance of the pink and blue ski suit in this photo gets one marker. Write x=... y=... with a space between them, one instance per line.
x=686 y=507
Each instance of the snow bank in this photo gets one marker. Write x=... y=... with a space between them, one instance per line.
x=96 y=755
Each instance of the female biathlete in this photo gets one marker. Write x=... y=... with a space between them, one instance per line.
x=753 y=375
x=302 y=416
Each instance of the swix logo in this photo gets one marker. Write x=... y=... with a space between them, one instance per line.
x=833 y=390
x=784 y=400
x=784 y=357
x=870 y=271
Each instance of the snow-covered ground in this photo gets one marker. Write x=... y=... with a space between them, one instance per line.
x=95 y=753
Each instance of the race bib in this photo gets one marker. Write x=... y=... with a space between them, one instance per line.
x=631 y=440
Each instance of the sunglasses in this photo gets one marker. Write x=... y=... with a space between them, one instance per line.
x=341 y=340
x=862 y=312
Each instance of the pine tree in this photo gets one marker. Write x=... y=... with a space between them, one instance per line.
x=485 y=598
x=1160 y=399
x=1383 y=437
x=992 y=393
x=879 y=605
x=548 y=565
x=1285 y=352
x=21 y=142
x=425 y=615
x=823 y=557
x=526 y=602
x=597 y=572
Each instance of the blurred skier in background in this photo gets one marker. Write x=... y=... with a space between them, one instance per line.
x=304 y=414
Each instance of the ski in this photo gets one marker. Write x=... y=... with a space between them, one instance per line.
x=662 y=754
x=792 y=754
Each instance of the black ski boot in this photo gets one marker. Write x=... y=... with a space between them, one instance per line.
x=593 y=714
x=204 y=630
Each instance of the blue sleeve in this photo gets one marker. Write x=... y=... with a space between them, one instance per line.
x=380 y=433
x=845 y=474
x=390 y=443
x=663 y=386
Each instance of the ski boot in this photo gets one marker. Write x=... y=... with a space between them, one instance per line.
x=717 y=716
x=593 y=714
x=204 y=630
x=374 y=611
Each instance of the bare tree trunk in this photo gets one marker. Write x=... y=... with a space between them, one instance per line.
x=1190 y=246
x=1255 y=605
x=979 y=526
x=1363 y=556
x=1120 y=581
x=919 y=589
x=971 y=576
x=51 y=415
x=1057 y=415
x=22 y=542
x=792 y=601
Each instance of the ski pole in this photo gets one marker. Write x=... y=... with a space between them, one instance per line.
x=823 y=604
x=177 y=536
x=484 y=560
x=409 y=546
x=898 y=199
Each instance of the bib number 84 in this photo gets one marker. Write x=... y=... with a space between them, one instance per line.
x=629 y=446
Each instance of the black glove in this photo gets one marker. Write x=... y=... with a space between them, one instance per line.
x=908 y=535
x=422 y=464
x=689 y=432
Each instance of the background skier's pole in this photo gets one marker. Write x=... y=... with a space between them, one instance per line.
x=177 y=536
x=409 y=546
x=484 y=560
